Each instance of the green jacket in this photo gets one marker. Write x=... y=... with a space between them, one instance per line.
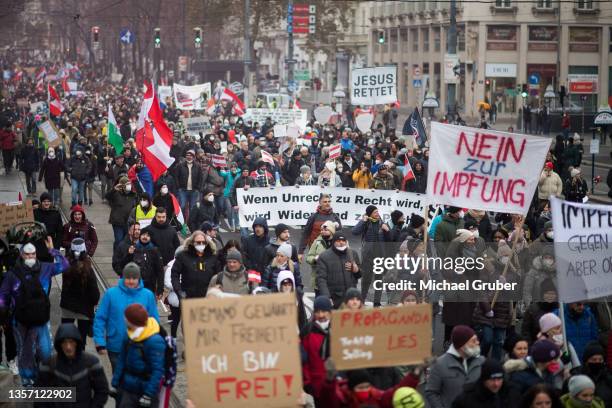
x=317 y=248
x=446 y=231
x=569 y=402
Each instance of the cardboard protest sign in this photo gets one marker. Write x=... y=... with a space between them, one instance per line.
x=383 y=337
x=374 y=86
x=293 y=205
x=192 y=97
x=164 y=92
x=195 y=125
x=582 y=249
x=484 y=169
x=280 y=130
x=242 y=351
x=39 y=108
x=14 y=213
x=281 y=116
x=51 y=133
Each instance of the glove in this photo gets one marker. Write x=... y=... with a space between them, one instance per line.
x=112 y=392
x=565 y=358
x=145 y=401
x=490 y=313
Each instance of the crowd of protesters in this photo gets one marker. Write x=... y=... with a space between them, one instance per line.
x=509 y=350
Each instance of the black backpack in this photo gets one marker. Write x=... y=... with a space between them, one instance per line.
x=32 y=305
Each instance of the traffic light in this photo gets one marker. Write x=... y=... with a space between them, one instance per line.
x=95 y=34
x=487 y=82
x=524 y=92
x=381 y=36
x=157 y=38
x=197 y=37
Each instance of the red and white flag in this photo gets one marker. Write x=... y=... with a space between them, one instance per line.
x=40 y=85
x=228 y=95
x=55 y=105
x=153 y=136
x=177 y=209
x=41 y=74
x=65 y=86
x=218 y=160
x=254 y=276
x=407 y=172
x=267 y=157
x=296 y=104
x=335 y=151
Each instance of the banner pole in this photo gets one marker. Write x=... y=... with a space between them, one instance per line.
x=425 y=240
x=562 y=316
x=514 y=241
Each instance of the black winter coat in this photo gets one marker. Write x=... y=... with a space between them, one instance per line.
x=191 y=274
x=79 y=168
x=53 y=222
x=332 y=278
x=121 y=204
x=254 y=248
x=78 y=297
x=151 y=267
x=51 y=171
x=28 y=159
x=165 y=239
x=200 y=213
x=475 y=395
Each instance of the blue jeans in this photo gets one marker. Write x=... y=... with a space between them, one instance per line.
x=232 y=214
x=492 y=339
x=33 y=345
x=221 y=208
x=188 y=199
x=55 y=196
x=78 y=191
x=119 y=231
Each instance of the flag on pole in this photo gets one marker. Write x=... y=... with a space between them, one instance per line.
x=296 y=104
x=414 y=126
x=334 y=151
x=153 y=136
x=228 y=95
x=65 y=86
x=55 y=105
x=40 y=85
x=41 y=74
x=112 y=132
x=267 y=157
x=179 y=214
x=407 y=172
x=218 y=160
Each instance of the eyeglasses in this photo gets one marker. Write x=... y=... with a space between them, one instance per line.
x=199 y=242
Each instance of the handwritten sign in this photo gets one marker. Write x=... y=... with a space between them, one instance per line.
x=281 y=116
x=196 y=125
x=382 y=337
x=51 y=133
x=242 y=351
x=582 y=249
x=484 y=169
x=192 y=97
x=374 y=86
x=13 y=213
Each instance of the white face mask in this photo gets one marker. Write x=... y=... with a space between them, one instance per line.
x=210 y=198
x=342 y=248
x=77 y=254
x=475 y=233
x=79 y=153
x=128 y=187
x=164 y=190
x=200 y=248
x=504 y=259
x=144 y=203
x=472 y=351
x=324 y=325
x=51 y=155
x=30 y=262
x=549 y=235
x=558 y=339
x=461 y=214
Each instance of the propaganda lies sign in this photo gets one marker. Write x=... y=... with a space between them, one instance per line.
x=484 y=169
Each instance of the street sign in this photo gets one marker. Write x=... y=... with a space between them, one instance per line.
x=594 y=147
x=292 y=86
x=301 y=75
x=603 y=118
x=126 y=36
x=534 y=79
x=417 y=83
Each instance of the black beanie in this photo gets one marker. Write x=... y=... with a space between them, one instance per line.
x=592 y=349
x=416 y=221
x=356 y=377
x=352 y=293
x=491 y=369
x=395 y=216
x=280 y=228
x=370 y=209
x=453 y=209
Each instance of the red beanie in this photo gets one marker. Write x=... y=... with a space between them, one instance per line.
x=136 y=315
x=461 y=335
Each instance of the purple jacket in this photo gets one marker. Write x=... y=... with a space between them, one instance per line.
x=10 y=285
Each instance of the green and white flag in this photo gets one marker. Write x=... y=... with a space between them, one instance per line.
x=114 y=137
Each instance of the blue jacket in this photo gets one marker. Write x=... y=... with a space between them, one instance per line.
x=229 y=181
x=140 y=366
x=146 y=180
x=109 y=323
x=347 y=144
x=581 y=330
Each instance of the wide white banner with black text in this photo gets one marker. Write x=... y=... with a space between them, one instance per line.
x=582 y=250
x=484 y=169
x=293 y=205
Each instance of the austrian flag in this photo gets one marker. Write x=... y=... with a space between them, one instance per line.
x=153 y=137
x=55 y=105
x=228 y=95
x=335 y=151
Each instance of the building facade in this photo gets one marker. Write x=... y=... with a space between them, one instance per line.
x=504 y=49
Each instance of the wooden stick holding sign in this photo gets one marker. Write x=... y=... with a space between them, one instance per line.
x=514 y=242
x=425 y=239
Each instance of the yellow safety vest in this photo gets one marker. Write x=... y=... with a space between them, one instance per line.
x=144 y=219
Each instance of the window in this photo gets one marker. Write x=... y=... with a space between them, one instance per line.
x=436 y=35
x=426 y=68
x=460 y=37
x=502 y=3
x=414 y=33
x=545 y=4
x=393 y=41
x=585 y=4
x=425 y=34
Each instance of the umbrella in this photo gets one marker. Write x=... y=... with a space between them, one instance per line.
x=484 y=105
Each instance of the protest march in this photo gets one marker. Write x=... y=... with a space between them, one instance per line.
x=209 y=240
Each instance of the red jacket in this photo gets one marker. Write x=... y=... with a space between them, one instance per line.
x=313 y=369
x=336 y=394
x=7 y=139
x=565 y=122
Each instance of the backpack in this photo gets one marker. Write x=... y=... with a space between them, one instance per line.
x=219 y=280
x=170 y=358
x=32 y=305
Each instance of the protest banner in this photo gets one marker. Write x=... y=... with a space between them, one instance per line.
x=51 y=133
x=242 y=351
x=192 y=97
x=39 y=108
x=484 y=169
x=282 y=116
x=582 y=249
x=364 y=122
x=323 y=113
x=164 y=92
x=13 y=213
x=374 y=86
x=292 y=205
x=383 y=337
x=280 y=130
x=193 y=126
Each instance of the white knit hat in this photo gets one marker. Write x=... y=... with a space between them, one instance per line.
x=285 y=249
x=463 y=235
x=549 y=321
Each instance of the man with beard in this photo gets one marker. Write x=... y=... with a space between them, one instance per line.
x=312 y=229
x=50 y=217
x=338 y=269
x=320 y=245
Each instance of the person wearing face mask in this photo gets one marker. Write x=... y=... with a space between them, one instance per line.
x=168 y=180
x=203 y=211
x=541 y=366
x=147 y=256
x=551 y=329
x=79 y=168
x=262 y=177
x=542 y=267
x=550 y=183
x=460 y=365
x=51 y=171
x=31 y=312
x=194 y=267
x=121 y=200
x=285 y=283
x=581 y=326
x=163 y=198
x=328 y=177
x=545 y=239
x=80 y=293
x=320 y=245
x=29 y=162
x=594 y=366
x=79 y=227
x=144 y=212
x=338 y=269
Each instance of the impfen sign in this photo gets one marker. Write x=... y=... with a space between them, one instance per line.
x=484 y=169
x=383 y=337
x=242 y=352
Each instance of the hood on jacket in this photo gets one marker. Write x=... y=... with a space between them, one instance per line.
x=4 y=245
x=515 y=364
x=282 y=275
x=124 y=288
x=67 y=331
x=141 y=334
x=263 y=222
x=80 y=209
